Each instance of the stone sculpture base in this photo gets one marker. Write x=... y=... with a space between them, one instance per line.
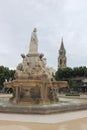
x=35 y=91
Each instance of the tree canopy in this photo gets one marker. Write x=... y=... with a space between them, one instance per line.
x=67 y=73
x=5 y=73
x=70 y=74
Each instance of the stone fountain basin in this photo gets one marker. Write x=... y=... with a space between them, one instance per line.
x=64 y=105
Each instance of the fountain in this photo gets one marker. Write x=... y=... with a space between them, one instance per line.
x=34 y=82
x=34 y=88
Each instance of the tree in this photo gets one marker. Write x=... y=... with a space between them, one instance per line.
x=63 y=73
x=70 y=74
x=67 y=73
x=79 y=71
x=5 y=73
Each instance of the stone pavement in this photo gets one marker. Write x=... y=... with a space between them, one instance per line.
x=53 y=118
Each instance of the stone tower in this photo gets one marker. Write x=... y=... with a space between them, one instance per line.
x=62 y=56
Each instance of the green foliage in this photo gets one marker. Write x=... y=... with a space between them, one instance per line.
x=63 y=73
x=67 y=73
x=5 y=73
x=79 y=71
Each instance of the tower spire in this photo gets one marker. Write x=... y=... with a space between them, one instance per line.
x=62 y=44
x=62 y=56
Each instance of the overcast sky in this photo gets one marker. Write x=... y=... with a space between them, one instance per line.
x=53 y=19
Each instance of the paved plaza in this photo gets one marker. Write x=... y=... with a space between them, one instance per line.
x=63 y=121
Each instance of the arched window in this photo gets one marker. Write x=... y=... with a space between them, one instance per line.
x=60 y=61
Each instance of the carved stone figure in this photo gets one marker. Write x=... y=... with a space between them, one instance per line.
x=20 y=67
x=33 y=42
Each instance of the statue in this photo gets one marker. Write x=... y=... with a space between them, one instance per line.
x=33 y=42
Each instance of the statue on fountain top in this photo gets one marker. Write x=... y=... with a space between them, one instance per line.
x=33 y=42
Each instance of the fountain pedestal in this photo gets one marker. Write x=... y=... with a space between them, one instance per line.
x=34 y=91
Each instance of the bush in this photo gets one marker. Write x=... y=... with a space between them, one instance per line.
x=72 y=94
